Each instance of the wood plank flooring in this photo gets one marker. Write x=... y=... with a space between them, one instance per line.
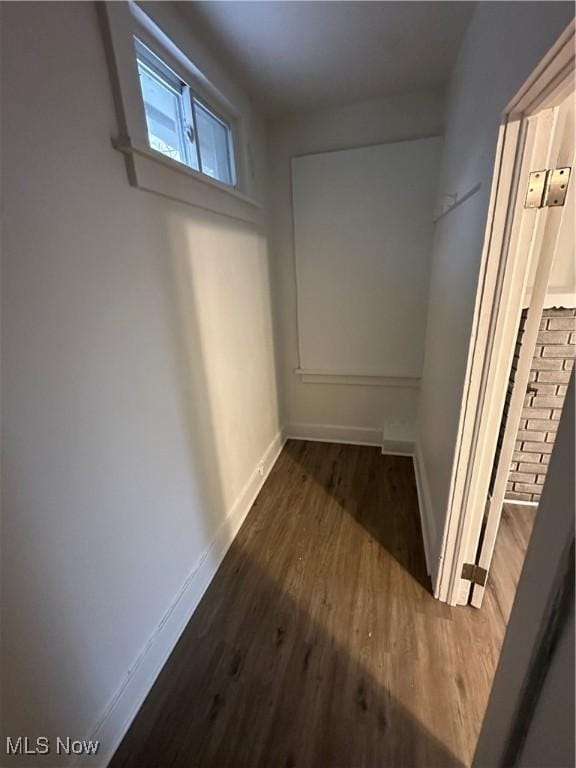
x=516 y=526
x=318 y=643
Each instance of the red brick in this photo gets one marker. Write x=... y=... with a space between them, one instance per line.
x=560 y=350
x=521 y=477
x=531 y=468
x=544 y=426
x=530 y=457
x=546 y=364
x=548 y=401
x=528 y=488
x=536 y=447
x=561 y=323
x=513 y=496
x=556 y=377
x=545 y=389
x=530 y=436
x=553 y=337
x=536 y=413
x=560 y=312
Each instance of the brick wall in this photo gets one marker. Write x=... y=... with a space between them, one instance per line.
x=551 y=366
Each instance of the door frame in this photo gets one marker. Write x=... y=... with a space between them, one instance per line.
x=548 y=224
x=496 y=316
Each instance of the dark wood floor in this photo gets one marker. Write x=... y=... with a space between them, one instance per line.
x=318 y=642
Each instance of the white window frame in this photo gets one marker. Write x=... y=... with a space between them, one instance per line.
x=175 y=78
x=161 y=72
x=229 y=135
x=148 y=169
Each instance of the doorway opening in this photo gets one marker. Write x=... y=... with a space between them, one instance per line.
x=544 y=346
x=526 y=281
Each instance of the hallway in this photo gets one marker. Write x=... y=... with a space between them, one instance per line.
x=318 y=642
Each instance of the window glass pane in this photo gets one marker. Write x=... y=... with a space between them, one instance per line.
x=178 y=125
x=162 y=115
x=214 y=147
x=167 y=129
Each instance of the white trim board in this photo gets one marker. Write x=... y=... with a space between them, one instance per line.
x=427 y=522
x=553 y=300
x=400 y=443
x=130 y=695
x=152 y=172
x=394 y=439
x=364 y=379
x=333 y=433
x=397 y=448
x=522 y=503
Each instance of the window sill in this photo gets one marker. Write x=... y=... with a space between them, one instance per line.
x=153 y=172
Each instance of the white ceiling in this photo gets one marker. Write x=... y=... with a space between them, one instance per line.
x=300 y=55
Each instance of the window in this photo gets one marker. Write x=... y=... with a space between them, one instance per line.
x=183 y=136
x=179 y=125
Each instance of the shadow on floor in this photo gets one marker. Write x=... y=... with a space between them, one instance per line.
x=378 y=491
x=290 y=657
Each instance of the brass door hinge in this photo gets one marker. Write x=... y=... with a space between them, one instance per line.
x=557 y=187
x=475 y=574
x=547 y=188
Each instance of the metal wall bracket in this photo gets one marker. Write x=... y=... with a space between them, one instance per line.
x=475 y=574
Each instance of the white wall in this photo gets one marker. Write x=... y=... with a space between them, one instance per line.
x=363 y=224
x=503 y=44
x=139 y=382
x=400 y=117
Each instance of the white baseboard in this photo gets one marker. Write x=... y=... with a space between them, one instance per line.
x=426 y=514
x=398 y=438
x=398 y=448
x=394 y=442
x=124 y=705
x=333 y=433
